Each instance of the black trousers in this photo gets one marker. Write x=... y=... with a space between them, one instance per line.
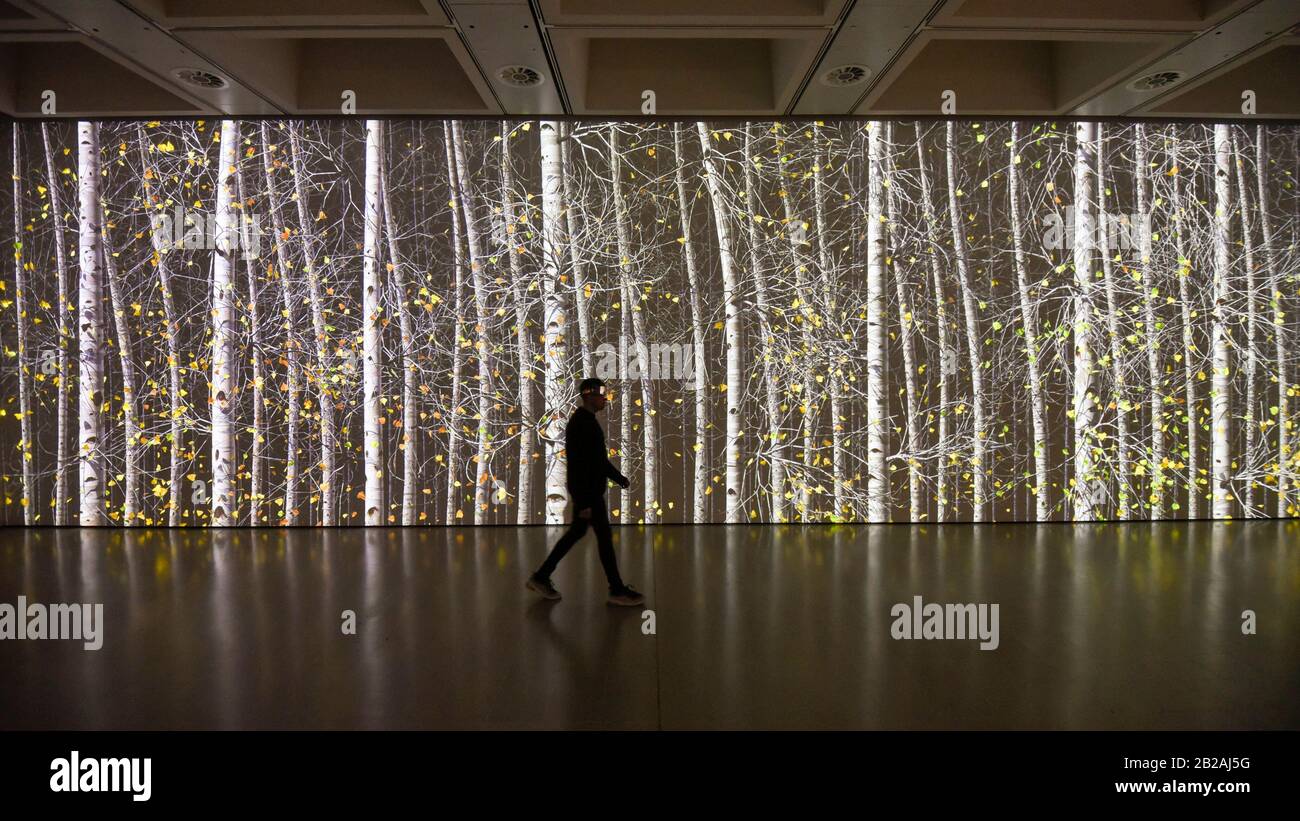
x=598 y=522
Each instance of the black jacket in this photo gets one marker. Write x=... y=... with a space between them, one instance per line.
x=589 y=468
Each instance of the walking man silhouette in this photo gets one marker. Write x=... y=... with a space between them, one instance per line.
x=589 y=472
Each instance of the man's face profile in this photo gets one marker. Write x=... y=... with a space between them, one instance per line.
x=595 y=398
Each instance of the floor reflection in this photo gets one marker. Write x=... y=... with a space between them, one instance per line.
x=1111 y=626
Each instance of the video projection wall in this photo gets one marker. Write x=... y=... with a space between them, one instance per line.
x=383 y=322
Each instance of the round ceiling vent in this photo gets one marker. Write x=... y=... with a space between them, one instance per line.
x=1151 y=82
x=199 y=78
x=849 y=75
x=520 y=76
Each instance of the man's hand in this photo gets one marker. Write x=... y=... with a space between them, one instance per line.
x=624 y=482
x=585 y=513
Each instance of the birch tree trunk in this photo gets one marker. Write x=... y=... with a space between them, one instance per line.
x=256 y=349
x=62 y=457
x=1123 y=464
x=646 y=369
x=700 y=449
x=293 y=368
x=1221 y=385
x=1189 y=344
x=732 y=333
x=131 y=512
x=1088 y=487
x=90 y=383
x=454 y=423
x=1284 y=446
x=947 y=356
x=1250 y=416
x=906 y=323
x=571 y=211
x=24 y=369
x=555 y=321
x=223 y=334
x=523 y=342
x=793 y=230
x=371 y=319
x=325 y=397
x=1158 y=483
x=878 y=480
x=409 y=443
x=483 y=343
x=625 y=499
x=775 y=434
x=834 y=357
x=1029 y=325
x=978 y=461
x=161 y=242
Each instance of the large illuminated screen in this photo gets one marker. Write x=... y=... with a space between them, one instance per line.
x=348 y=322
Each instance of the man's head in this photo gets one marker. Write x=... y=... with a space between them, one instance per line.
x=593 y=393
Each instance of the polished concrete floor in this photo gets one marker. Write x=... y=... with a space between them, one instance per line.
x=1101 y=626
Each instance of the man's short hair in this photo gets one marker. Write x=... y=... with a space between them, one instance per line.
x=591 y=385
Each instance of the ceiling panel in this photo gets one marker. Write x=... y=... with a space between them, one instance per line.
x=1013 y=72
x=85 y=81
x=691 y=71
x=700 y=57
x=390 y=70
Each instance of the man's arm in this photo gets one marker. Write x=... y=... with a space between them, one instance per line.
x=612 y=472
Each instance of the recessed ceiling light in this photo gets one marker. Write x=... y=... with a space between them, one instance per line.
x=520 y=76
x=200 y=78
x=847 y=75
x=1159 y=79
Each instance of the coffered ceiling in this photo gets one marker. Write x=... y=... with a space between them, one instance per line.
x=629 y=57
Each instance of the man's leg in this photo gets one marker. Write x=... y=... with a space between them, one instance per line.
x=605 y=544
x=571 y=536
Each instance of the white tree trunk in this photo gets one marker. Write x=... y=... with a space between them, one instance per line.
x=523 y=341
x=24 y=369
x=62 y=457
x=409 y=442
x=371 y=324
x=700 y=448
x=90 y=385
x=454 y=512
x=1155 y=391
x=131 y=512
x=947 y=356
x=1029 y=324
x=632 y=308
x=1088 y=483
x=555 y=320
x=775 y=434
x=878 y=480
x=224 y=365
x=979 y=464
x=1221 y=384
x=906 y=326
x=325 y=396
x=483 y=343
x=176 y=414
x=732 y=333
x=573 y=205
x=807 y=355
x=832 y=347
x=1189 y=345
x=1122 y=465
x=293 y=368
x=256 y=353
x=1250 y=417
x=1285 y=449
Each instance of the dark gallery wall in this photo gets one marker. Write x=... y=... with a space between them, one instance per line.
x=802 y=321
